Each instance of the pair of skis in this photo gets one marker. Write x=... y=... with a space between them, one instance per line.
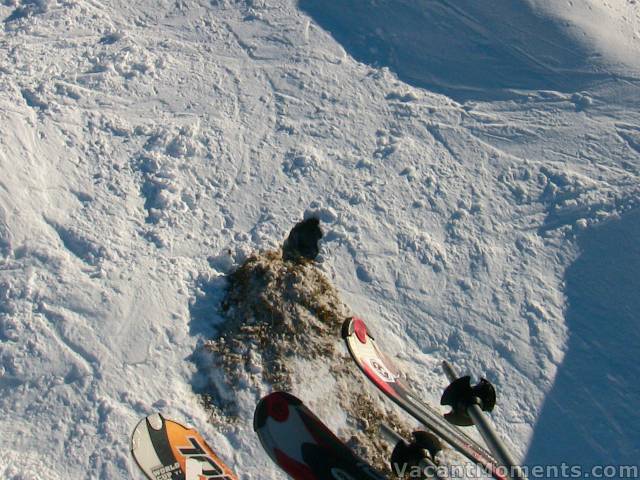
x=295 y=439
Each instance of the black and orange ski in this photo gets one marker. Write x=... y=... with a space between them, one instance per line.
x=167 y=450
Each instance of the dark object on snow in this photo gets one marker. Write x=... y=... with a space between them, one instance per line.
x=460 y=395
x=421 y=453
x=467 y=403
x=302 y=242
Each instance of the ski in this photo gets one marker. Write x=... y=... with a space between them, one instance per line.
x=383 y=373
x=301 y=445
x=167 y=450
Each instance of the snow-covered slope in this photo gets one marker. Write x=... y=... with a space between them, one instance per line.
x=485 y=50
x=147 y=147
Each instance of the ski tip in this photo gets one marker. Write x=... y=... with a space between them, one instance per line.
x=276 y=406
x=347 y=329
x=355 y=325
x=155 y=421
x=360 y=329
x=164 y=448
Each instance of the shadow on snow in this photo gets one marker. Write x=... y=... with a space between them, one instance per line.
x=463 y=48
x=205 y=319
x=590 y=416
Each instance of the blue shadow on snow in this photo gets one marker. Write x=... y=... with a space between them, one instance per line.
x=463 y=48
x=208 y=380
x=590 y=416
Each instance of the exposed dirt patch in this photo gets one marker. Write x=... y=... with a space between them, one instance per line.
x=277 y=310
x=277 y=313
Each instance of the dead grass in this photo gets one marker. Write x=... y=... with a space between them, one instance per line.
x=277 y=312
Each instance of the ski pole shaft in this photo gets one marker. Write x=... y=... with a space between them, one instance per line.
x=494 y=442
x=449 y=371
x=389 y=434
x=489 y=434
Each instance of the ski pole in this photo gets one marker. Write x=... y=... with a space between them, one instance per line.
x=412 y=453
x=461 y=394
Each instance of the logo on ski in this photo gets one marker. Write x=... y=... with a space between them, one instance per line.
x=198 y=464
x=166 y=472
x=381 y=370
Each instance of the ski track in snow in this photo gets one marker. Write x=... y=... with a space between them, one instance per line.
x=143 y=142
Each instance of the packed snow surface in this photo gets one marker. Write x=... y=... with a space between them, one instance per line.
x=475 y=167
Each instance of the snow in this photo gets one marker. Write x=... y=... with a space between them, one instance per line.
x=609 y=29
x=475 y=166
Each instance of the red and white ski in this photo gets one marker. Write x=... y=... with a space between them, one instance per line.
x=301 y=445
x=384 y=374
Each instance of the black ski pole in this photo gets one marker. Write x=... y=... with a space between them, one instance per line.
x=419 y=453
x=467 y=405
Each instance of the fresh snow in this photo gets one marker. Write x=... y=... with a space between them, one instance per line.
x=475 y=166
